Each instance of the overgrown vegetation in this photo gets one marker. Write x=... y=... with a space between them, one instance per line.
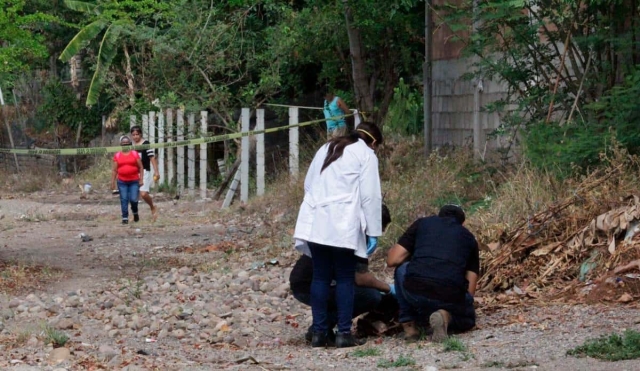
x=613 y=347
x=453 y=344
x=18 y=277
x=368 y=352
x=54 y=337
x=401 y=361
x=490 y=364
x=564 y=64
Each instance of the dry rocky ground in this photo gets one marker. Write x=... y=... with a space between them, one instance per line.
x=206 y=290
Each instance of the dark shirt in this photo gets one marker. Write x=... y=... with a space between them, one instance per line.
x=145 y=156
x=302 y=273
x=442 y=251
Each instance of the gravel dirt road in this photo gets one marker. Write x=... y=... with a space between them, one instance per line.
x=207 y=290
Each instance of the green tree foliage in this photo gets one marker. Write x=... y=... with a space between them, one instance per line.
x=406 y=110
x=113 y=20
x=22 y=44
x=222 y=55
x=315 y=37
x=556 y=58
x=60 y=107
x=215 y=56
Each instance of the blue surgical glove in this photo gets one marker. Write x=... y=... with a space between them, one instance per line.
x=393 y=289
x=372 y=244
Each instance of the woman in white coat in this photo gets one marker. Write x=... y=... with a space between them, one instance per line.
x=342 y=205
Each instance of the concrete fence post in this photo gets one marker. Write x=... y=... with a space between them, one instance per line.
x=203 y=156
x=260 y=153
x=244 y=157
x=294 y=156
x=161 y=151
x=170 y=150
x=180 y=151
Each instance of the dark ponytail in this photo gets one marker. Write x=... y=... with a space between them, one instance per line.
x=366 y=131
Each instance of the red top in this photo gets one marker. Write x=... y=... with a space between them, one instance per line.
x=128 y=170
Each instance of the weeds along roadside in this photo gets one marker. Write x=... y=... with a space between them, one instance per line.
x=35 y=180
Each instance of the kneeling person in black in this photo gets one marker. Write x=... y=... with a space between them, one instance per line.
x=367 y=293
x=438 y=266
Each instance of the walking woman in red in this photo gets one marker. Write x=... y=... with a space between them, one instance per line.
x=128 y=171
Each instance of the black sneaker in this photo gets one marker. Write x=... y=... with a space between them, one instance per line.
x=347 y=340
x=125 y=221
x=136 y=218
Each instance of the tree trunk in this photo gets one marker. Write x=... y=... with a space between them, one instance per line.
x=363 y=91
x=129 y=74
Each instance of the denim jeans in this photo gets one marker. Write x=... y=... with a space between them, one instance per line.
x=365 y=299
x=332 y=263
x=415 y=307
x=128 y=195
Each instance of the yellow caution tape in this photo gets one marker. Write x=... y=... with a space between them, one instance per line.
x=179 y=143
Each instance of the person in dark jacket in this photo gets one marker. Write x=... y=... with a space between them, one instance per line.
x=437 y=268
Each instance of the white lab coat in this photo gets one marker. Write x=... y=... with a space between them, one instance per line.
x=343 y=203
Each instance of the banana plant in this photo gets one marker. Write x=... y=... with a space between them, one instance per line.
x=111 y=28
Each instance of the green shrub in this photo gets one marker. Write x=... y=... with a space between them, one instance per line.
x=453 y=344
x=405 y=114
x=401 y=361
x=616 y=116
x=369 y=352
x=55 y=337
x=611 y=348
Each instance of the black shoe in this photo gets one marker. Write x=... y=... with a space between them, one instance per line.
x=125 y=221
x=318 y=339
x=136 y=218
x=331 y=338
x=309 y=335
x=347 y=340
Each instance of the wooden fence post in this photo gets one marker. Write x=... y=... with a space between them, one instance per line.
x=294 y=158
x=260 y=153
x=203 y=156
x=244 y=155
x=180 y=150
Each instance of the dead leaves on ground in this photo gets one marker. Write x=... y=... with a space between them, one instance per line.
x=18 y=277
x=224 y=246
x=582 y=235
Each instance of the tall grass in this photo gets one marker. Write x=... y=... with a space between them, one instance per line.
x=494 y=197
x=27 y=181
x=34 y=180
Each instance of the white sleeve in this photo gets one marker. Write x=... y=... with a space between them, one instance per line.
x=314 y=168
x=371 y=196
